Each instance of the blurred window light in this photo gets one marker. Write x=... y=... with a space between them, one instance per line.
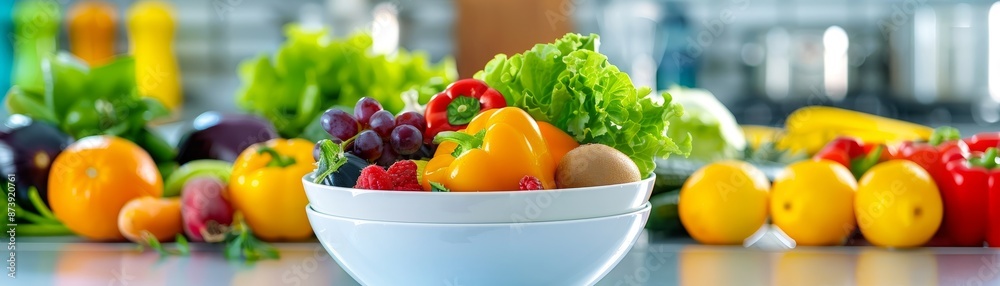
x=776 y=74
x=835 y=44
x=385 y=28
x=925 y=56
x=993 y=71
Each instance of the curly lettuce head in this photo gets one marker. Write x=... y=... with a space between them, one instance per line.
x=570 y=84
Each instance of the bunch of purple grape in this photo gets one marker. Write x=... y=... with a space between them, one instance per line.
x=379 y=137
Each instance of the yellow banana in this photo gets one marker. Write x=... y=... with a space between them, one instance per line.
x=836 y=120
x=757 y=135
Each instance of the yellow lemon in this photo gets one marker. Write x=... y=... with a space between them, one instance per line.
x=724 y=202
x=898 y=205
x=813 y=202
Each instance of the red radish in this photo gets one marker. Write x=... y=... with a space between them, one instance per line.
x=205 y=210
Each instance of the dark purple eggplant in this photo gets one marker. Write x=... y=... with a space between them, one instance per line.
x=220 y=136
x=27 y=149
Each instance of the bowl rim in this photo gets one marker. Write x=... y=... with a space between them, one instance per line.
x=307 y=180
x=646 y=208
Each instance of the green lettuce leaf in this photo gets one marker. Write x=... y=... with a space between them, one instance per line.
x=311 y=72
x=570 y=84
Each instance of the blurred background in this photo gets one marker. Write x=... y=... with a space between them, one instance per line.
x=928 y=61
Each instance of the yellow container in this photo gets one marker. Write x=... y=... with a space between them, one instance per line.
x=151 y=32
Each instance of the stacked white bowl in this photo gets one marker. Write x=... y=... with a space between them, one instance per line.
x=549 y=237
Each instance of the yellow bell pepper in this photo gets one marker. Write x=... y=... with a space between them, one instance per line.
x=266 y=186
x=497 y=149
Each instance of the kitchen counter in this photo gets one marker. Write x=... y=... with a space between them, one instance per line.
x=652 y=261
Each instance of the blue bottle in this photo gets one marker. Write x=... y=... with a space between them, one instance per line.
x=6 y=47
x=678 y=65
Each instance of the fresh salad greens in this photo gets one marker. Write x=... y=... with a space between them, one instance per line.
x=569 y=84
x=312 y=72
x=84 y=101
x=705 y=118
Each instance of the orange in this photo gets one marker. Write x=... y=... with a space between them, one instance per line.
x=93 y=178
x=724 y=202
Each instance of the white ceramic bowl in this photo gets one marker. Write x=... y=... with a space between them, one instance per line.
x=478 y=207
x=571 y=252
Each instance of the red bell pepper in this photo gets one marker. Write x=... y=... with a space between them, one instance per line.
x=851 y=153
x=971 y=197
x=982 y=141
x=454 y=108
x=944 y=146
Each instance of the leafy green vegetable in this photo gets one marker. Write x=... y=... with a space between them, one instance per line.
x=705 y=118
x=85 y=101
x=331 y=159
x=181 y=247
x=569 y=84
x=311 y=72
x=240 y=243
x=439 y=187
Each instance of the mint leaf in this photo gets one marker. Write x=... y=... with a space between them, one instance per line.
x=438 y=187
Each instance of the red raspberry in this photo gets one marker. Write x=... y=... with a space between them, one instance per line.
x=374 y=177
x=403 y=173
x=529 y=183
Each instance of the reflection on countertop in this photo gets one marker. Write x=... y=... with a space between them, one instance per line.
x=652 y=261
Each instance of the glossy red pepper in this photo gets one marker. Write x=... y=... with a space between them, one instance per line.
x=888 y=152
x=454 y=108
x=851 y=153
x=944 y=146
x=982 y=141
x=971 y=197
x=841 y=150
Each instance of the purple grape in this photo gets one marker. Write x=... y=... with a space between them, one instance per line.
x=412 y=118
x=388 y=157
x=317 y=152
x=365 y=108
x=406 y=139
x=368 y=145
x=382 y=123
x=339 y=124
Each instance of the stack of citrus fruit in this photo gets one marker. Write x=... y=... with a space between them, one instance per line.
x=814 y=202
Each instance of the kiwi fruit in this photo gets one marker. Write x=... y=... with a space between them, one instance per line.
x=595 y=165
